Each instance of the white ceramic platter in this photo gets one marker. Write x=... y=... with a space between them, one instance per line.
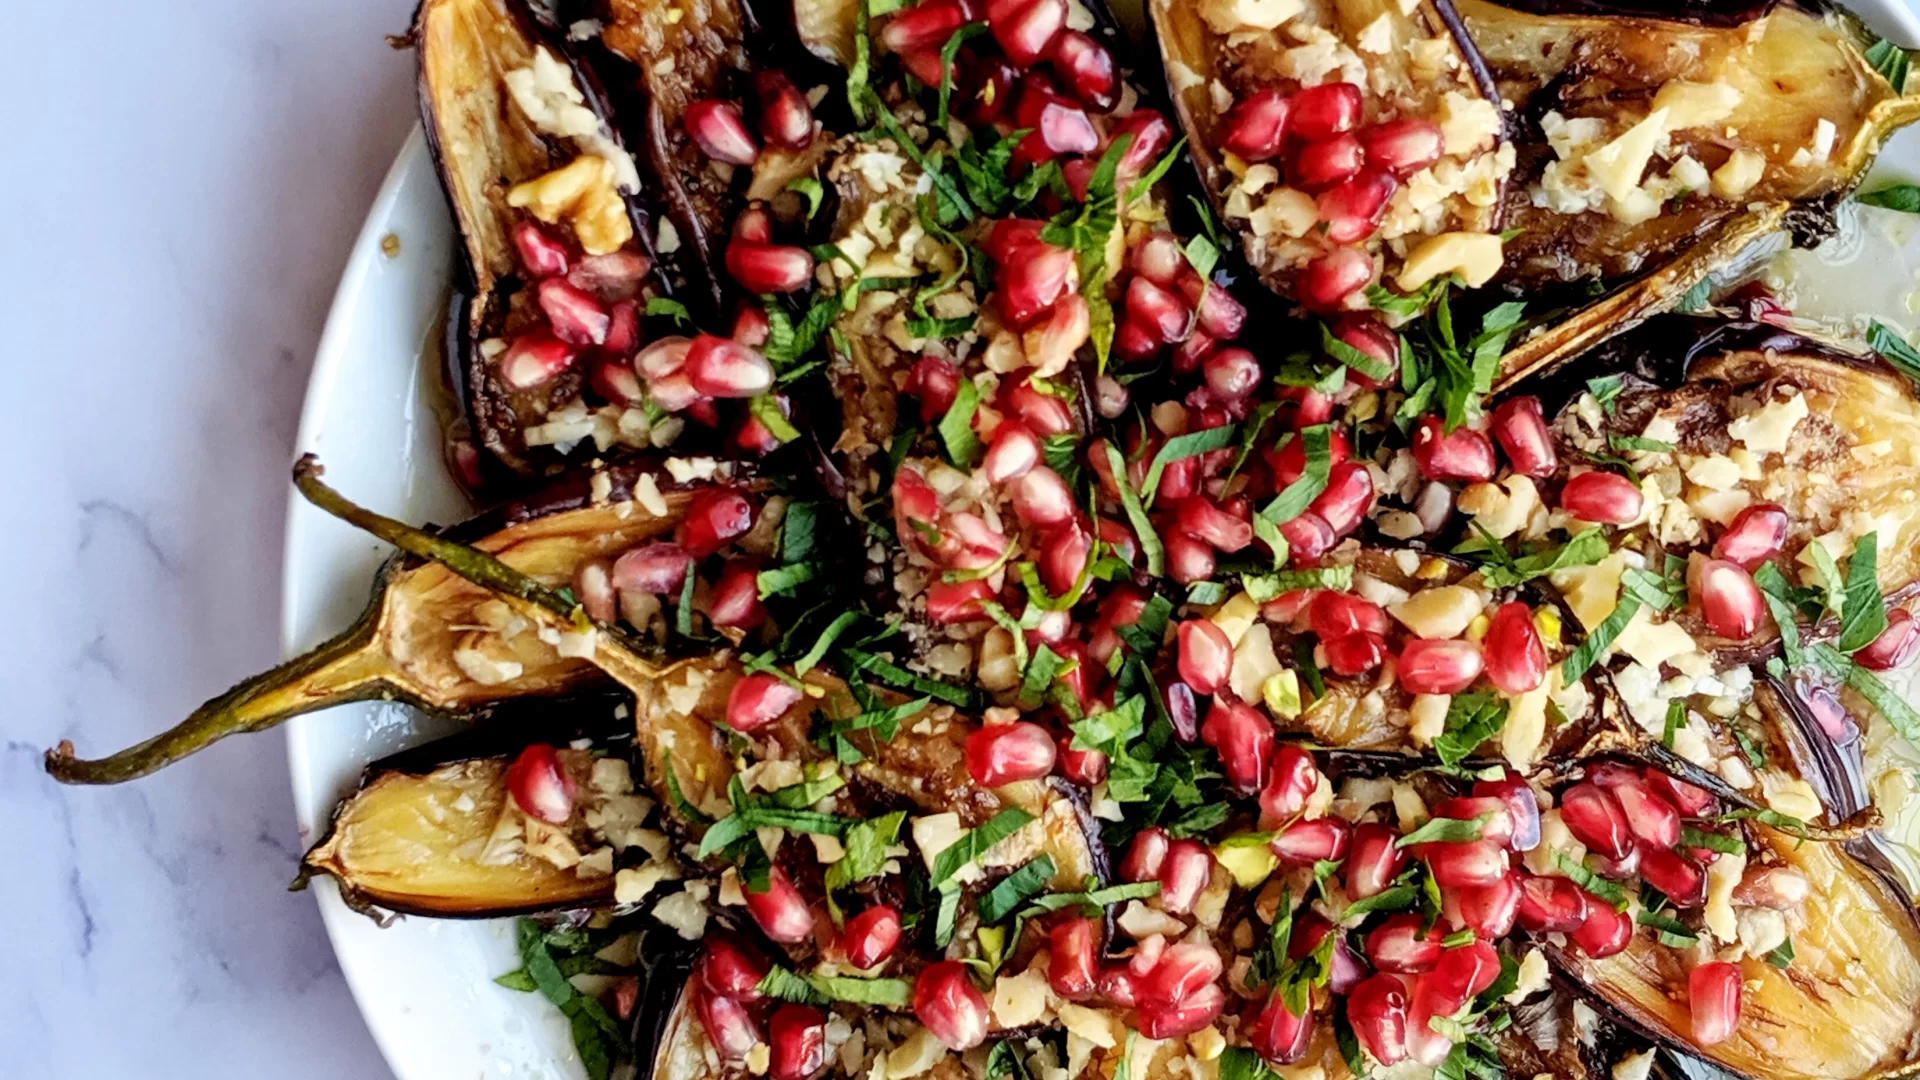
x=372 y=416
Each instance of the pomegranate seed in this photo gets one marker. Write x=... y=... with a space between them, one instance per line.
x=753 y=224
x=1757 y=534
x=1714 y=992
x=1171 y=1022
x=1895 y=646
x=1596 y=820
x=1333 y=614
x=730 y=1028
x=1009 y=238
x=1404 y=944
x=1355 y=654
x=593 y=582
x=1117 y=985
x=1728 y=599
x=1649 y=817
x=927 y=25
x=1232 y=374
x=614 y=379
x=797 y=1039
x=1292 y=779
x=1066 y=329
x=870 y=937
x=1244 y=739
x=717 y=129
x=610 y=277
x=936 y=382
x=1041 y=498
x=1158 y=259
x=1000 y=754
x=1475 y=862
x=1134 y=342
x=1462 y=455
x=541 y=787
x=1328 y=280
x=1014 y=450
x=1521 y=430
x=758 y=700
x=1085 y=69
x=1322 y=165
x=1684 y=883
x=1602 y=497
x=1550 y=905
x=780 y=912
x=1516 y=660
x=1307 y=842
x=1352 y=208
x=1622 y=869
x=731 y=969
x=1374 y=860
x=1402 y=147
x=1151 y=137
x=1083 y=767
x=1303 y=407
x=1277 y=1034
x=1188 y=560
x=1691 y=800
x=1158 y=309
x=1060 y=127
x=1215 y=310
x=1781 y=888
x=1064 y=555
x=1465 y=972
x=1489 y=910
x=1110 y=397
x=1370 y=336
x=1206 y=656
x=1522 y=809
x=1025 y=28
x=722 y=368
x=1201 y=519
x=1074 y=954
x=714 y=517
x=658 y=568
x=1183 y=874
x=1498 y=827
x=1145 y=855
x=1254 y=127
x=946 y=1001
x=786 y=117
x=1327 y=109
x=663 y=357
x=1031 y=280
x=1605 y=931
x=950 y=603
x=769 y=268
x=540 y=254
x=534 y=359
x=735 y=601
x=1377 y=1010
x=1184 y=970
x=1425 y=1045
x=1345 y=970
x=1042 y=412
x=1439 y=667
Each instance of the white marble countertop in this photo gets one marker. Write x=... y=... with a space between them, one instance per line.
x=182 y=191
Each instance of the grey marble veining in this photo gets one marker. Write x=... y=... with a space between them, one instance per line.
x=182 y=187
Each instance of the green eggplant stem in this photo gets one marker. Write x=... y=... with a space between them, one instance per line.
x=346 y=668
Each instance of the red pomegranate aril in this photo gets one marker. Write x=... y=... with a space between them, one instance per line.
x=1332 y=614
x=1292 y=779
x=735 y=600
x=1001 y=754
x=1182 y=971
x=1254 y=127
x=1489 y=910
x=1117 y=985
x=1328 y=280
x=1550 y=905
x=1216 y=312
x=780 y=912
x=1895 y=646
x=1605 y=931
x=534 y=359
x=1374 y=860
x=1189 y=1016
x=1158 y=259
x=663 y=357
x=540 y=254
x=1279 y=1035
x=614 y=379
x=1183 y=874
x=758 y=700
x=786 y=117
x=1465 y=972
x=947 y=1002
x=1464 y=454
x=1062 y=128
x=1402 y=147
x=1025 y=28
x=1085 y=69
x=1684 y=883
x=1521 y=430
x=1009 y=238
x=1083 y=767
x=659 y=568
x=730 y=1028
x=731 y=969
x=925 y=65
x=1303 y=407
x=1244 y=738
x=1498 y=826
x=1650 y=818
x=1031 y=279
x=1074 y=955
x=1065 y=330
x=1714 y=994
x=1439 y=667
x=1320 y=166
x=797 y=1041
x=1522 y=806
x=1043 y=413
x=723 y=368
x=1757 y=534
x=541 y=787
x=1307 y=842
x=1206 y=655
x=1110 y=397
x=1594 y=817
x=1327 y=109
x=1013 y=451
x=1625 y=868
x=1063 y=557
x=1516 y=660
x=1403 y=944
x=1602 y=497
x=951 y=603
x=1474 y=862
x=1355 y=654
x=1352 y=208
x=1308 y=537
x=753 y=224
x=1151 y=137
x=1691 y=800
x=1041 y=498
x=870 y=937
x=769 y=268
x=936 y=382
x=926 y=26
x=1370 y=336
x=1145 y=855
x=623 y=332
x=1201 y=519
x=1728 y=599
x=717 y=129
x=1158 y=309
x=715 y=516
x=1377 y=1011
x=1232 y=374
x=593 y=583
x=1188 y=560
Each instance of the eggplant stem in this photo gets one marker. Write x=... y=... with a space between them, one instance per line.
x=348 y=667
